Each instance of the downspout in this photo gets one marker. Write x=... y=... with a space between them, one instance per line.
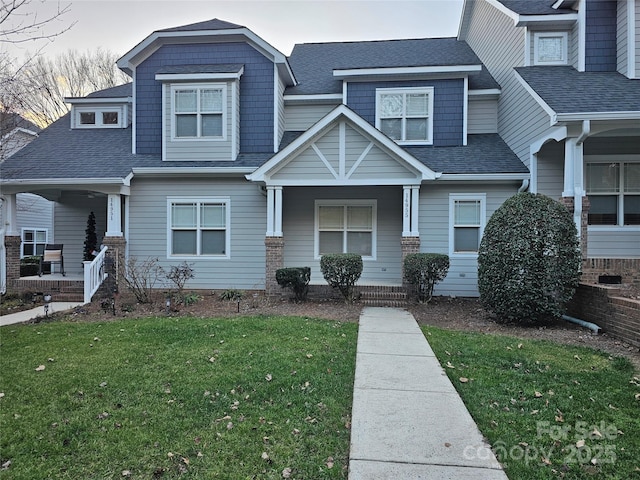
x=578 y=192
x=525 y=186
x=591 y=326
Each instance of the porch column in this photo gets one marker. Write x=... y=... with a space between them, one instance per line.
x=114 y=217
x=274 y=211
x=114 y=238
x=274 y=243
x=410 y=242
x=12 y=240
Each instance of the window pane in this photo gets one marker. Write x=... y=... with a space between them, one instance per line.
x=211 y=100
x=632 y=177
x=632 y=209
x=27 y=236
x=184 y=242
x=330 y=242
x=41 y=236
x=603 y=177
x=39 y=249
x=330 y=217
x=603 y=210
x=185 y=101
x=186 y=125
x=110 y=118
x=416 y=129
x=467 y=212
x=417 y=104
x=359 y=242
x=87 y=118
x=359 y=218
x=550 y=49
x=183 y=215
x=391 y=105
x=392 y=128
x=212 y=216
x=212 y=125
x=213 y=242
x=28 y=249
x=466 y=239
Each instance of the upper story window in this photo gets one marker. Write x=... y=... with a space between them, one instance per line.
x=406 y=114
x=467 y=217
x=614 y=193
x=198 y=111
x=98 y=117
x=550 y=48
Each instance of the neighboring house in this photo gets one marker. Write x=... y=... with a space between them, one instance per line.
x=228 y=155
x=34 y=214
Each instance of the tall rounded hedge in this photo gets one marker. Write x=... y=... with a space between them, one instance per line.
x=529 y=259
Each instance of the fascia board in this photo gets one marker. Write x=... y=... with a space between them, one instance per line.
x=65 y=181
x=168 y=77
x=105 y=100
x=578 y=116
x=320 y=98
x=486 y=91
x=560 y=19
x=483 y=177
x=423 y=70
x=545 y=106
x=159 y=171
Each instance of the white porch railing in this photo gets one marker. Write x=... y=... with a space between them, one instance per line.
x=94 y=275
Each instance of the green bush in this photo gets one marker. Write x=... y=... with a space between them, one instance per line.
x=295 y=278
x=529 y=259
x=424 y=270
x=342 y=271
x=30 y=266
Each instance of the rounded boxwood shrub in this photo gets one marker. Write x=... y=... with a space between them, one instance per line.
x=529 y=259
x=424 y=270
x=342 y=271
x=295 y=278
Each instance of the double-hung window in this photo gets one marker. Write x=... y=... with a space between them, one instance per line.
x=199 y=227
x=198 y=111
x=467 y=217
x=33 y=241
x=614 y=193
x=346 y=227
x=406 y=114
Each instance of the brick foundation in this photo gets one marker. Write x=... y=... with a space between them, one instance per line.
x=409 y=245
x=116 y=252
x=274 y=261
x=12 y=250
x=627 y=268
x=617 y=316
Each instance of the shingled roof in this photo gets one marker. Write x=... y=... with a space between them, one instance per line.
x=566 y=90
x=214 y=24
x=313 y=63
x=534 y=7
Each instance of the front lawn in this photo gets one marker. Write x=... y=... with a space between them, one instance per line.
x=253 y=397
x=549 y=410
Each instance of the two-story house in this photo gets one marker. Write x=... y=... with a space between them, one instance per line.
x=228 y=155
x=570 y=110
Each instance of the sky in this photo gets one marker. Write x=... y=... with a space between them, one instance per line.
x=119 y=26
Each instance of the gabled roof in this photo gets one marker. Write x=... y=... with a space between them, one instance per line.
x=9 y=121
x=314 y=63
x=534 y=7
x=214 y=24
x=564 y=91
x=119 y=91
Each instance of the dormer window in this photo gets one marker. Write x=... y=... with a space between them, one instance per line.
x=98 y=117
x=550 y=48
x=198 y=111
x=406 y=114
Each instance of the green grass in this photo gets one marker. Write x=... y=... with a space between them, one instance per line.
x=550 y=411
x=176 y=397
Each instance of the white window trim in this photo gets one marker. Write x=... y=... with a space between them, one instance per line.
x=227 y=248
x=565 y=48
x=34 y=230
x=120 y=110
x=347 y=203
x=429 y=91
x=198 y=86
x=453 y=197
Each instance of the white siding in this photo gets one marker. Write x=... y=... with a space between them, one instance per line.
x=299 y=118
x=245 y=269
x=280 y=103
x=482 y=116
x=622 y=39
x=298 y=228
x=613 y=243
x=551 y=169
x=462 y=279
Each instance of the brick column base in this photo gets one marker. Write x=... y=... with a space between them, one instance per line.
x=12 y=251
x=274 y=261
x=116 y=253
x=409 y=245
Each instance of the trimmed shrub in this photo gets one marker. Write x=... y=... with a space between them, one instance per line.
x=424 y=270
x=342 y=271
x=295 y=278
x=529 y=259
x=30 y=266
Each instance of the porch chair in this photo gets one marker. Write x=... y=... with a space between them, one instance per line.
x=52 y=254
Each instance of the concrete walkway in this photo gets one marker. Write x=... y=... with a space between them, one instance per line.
x=408 y=421
x=34 y=313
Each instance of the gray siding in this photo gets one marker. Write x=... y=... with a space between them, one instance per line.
x=71 y=212
x=482 y=115
x=34 y=211
x=299 y=225
x=623 y=32
x=551 y=169
x=199 y=149
x=245 y=269
x=637 y=39
x=613 y=243
x=462 y=279
x=281 y=111
x=299 y=118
